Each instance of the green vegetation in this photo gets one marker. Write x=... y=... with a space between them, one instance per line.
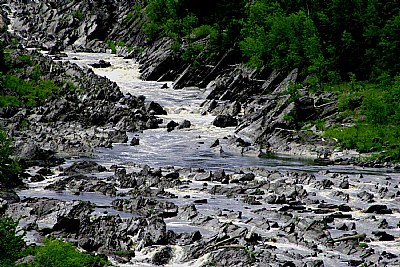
x=347 y=47
x=375 y=109
x=26 y=92
x=54 y=252
x=135 y=13
x=78 y=15
x=328 y=39
x=18 y=91
x=218 y=21
x=9 y=168
x=112 y=45
x=58 y=253
x=11 y=244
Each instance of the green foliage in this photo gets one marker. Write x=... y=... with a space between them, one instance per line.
x=56 y=253
x=26 y=92
x=9 y=168
x=195 y=19
x=11 y=244
x=134 y=14
x=289 y=117
x=112 y=46
x=26 y=59
x=293 y=92
x=324 y=38
x=377 y=127
x=193 y=53
x=279 y=41
x=78 y=15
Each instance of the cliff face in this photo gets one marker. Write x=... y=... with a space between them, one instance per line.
x=78 y=25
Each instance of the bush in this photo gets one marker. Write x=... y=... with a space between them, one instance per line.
x=56 y=253
x=26 y=92
x=9 y=168
x=11 y=244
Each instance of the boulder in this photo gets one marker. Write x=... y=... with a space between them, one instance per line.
x=223 y=121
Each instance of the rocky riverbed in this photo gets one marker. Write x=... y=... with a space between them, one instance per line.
x=148 y=175
x=146 y=204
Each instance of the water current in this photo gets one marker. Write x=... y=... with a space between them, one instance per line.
x=185 y=148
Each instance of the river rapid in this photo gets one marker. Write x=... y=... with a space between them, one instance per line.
x=190 y=149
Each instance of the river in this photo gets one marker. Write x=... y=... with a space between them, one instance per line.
x=190 y=148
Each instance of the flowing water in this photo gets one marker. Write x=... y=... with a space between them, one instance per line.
x=189 y=148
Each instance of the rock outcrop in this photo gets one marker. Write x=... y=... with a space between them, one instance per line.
x=89 y=111
x=79 y=25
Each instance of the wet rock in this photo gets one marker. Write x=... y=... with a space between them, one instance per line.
x=101 y=64
x=324 y=184
x=185 y=124
x=189 y=238
x=188 y=212
x=25 y=260
x=146 y=206
x=252 y=200
x=220 y=176
x=9 y=196
x=378 y=209
x=223 y=121
x=383 y=224
x=202 y=176
x=366 y=196
x=162 y=256
x=241 y=143
x=84 y=167
x=344 y=184
x=45 y=171
x=31 y=154
x=134 y=141
x=107 y=233
x=8 y=112
x=156 y=109
x=383 y=236
x=200 y=201
x=231 y=257
x=171 y=126
x=215 y=144
x=248 y=177
x=37 y=178
x=274 y=199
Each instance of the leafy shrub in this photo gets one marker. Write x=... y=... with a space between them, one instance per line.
x=112 y=46
x=78 y=15
x=9 y=168
x=27 y=93
x=26 y=59
x=56 y=253
x=11 y=244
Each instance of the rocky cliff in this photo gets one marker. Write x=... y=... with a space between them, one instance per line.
x=78 y=25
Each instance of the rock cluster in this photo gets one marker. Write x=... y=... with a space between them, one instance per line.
x=253 y=217
x=89 y=111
